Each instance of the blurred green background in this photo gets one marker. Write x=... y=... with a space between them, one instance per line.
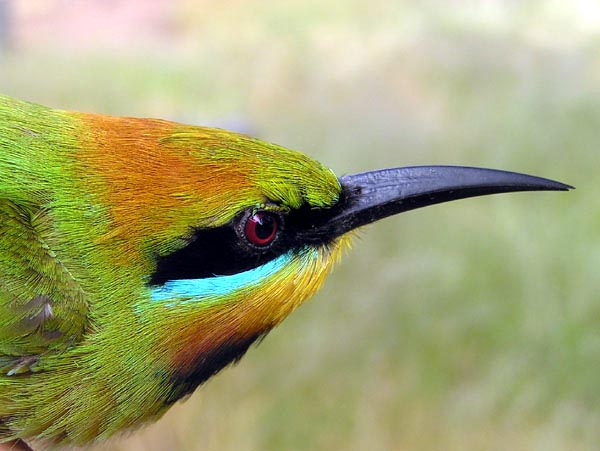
x=472 y=325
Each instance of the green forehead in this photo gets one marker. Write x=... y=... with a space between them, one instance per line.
x=284 y=176
x=296 y=180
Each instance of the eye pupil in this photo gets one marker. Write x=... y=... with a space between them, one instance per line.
x=265 y=226
x=261 y=228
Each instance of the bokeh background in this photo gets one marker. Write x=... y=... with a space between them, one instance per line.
x=473 y=325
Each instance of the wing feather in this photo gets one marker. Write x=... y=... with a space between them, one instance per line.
x=42 y=308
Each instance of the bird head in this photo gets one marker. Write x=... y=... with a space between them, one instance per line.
x=230 y=234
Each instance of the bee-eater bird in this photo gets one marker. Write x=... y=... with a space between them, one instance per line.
x=138 y=257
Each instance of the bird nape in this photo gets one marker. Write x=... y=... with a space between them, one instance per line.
x=138 y=257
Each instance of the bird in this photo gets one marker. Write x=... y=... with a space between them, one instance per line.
x=139 y=257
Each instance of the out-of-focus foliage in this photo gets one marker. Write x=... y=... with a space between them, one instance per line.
x=466 y=326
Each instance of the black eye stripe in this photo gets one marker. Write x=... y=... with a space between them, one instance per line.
x=218 y=251
x=226 y=250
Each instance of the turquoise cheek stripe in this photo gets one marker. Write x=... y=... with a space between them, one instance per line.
x=210 y=287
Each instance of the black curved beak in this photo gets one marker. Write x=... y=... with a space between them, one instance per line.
x=370 y=196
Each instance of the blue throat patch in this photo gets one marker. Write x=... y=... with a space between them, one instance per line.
x=209 y=288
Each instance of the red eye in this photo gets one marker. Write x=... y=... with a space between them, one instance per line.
x=261 y=228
